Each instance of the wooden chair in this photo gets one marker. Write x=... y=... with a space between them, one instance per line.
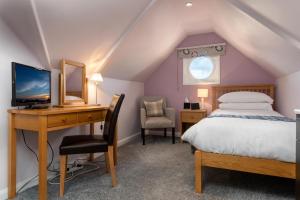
x=83 y=144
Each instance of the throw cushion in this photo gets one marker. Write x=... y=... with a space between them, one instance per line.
x=154 y=108
x=158 y=122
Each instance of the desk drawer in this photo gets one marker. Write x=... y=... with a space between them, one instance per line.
x=61 y=120
x=192 y=117
x=90 y=116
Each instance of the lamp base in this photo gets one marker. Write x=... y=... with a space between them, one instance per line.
x=96 y=85
x=202 y=106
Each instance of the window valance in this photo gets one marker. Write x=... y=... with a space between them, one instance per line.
x=204 y=50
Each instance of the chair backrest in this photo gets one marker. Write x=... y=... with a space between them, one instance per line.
x=112 y=118
x=153 y=98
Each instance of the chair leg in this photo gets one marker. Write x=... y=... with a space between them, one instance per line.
x=143 y=135
x=165 y=132
x=111 y=165
x=106 y=162
x=173 y=135
x=63 y=164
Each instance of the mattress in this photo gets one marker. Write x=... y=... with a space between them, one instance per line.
x=253 y=133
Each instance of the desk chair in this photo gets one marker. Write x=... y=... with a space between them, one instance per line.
x=83 y=144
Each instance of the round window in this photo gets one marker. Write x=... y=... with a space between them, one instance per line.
x=201 y=67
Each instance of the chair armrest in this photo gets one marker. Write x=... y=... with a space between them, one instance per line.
x=170 y=113
x=143 y=117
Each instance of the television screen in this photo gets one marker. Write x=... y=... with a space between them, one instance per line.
x=30 y=85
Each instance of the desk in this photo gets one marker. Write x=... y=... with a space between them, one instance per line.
x=43 y=121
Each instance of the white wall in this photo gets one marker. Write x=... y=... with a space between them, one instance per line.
x=288 y=94
x=12 y=49
x=129 y=121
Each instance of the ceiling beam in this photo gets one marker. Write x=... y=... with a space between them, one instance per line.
x=288 y=36
x=41 y=32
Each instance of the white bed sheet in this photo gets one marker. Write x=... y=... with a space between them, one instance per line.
x=245 y=137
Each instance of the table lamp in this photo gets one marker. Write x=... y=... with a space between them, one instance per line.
x=96 y=78
x=202 y=93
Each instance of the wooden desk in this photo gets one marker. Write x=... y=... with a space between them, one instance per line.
x=43 y=121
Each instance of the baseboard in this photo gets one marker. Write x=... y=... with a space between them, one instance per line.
x=3 y=192
x=128 y=139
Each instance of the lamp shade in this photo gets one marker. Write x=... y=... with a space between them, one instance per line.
x=97 y=77
x=202 y=93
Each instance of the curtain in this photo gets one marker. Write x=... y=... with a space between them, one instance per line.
x=205 y=50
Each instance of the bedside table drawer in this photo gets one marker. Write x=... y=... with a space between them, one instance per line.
x=192 y=117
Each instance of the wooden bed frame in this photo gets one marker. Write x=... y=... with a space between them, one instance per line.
x=240 y=163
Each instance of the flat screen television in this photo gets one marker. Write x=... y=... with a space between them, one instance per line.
x=30 y=85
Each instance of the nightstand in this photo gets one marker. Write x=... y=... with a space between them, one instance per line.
x=190 y=117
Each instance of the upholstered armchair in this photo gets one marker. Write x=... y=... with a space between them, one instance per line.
x=155 y=119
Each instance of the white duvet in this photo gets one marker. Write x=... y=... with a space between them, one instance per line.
x=245 y=137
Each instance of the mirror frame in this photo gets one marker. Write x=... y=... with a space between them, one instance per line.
x=62 y=84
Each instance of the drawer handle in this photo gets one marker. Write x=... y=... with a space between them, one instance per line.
x=90 y=117
x=64 y=121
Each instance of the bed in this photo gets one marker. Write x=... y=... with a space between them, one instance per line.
x=240 y=150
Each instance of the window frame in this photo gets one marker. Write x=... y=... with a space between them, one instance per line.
x=214 y=78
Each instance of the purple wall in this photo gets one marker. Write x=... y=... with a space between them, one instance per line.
x=235 y=69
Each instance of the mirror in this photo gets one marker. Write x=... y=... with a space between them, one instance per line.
x=73 y=83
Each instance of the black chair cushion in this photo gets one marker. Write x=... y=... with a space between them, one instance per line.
x=79 y=144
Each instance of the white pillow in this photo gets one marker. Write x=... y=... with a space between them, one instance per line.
x=245 y=106
x=245 y=97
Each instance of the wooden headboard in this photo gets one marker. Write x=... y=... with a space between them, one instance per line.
x=218 y=91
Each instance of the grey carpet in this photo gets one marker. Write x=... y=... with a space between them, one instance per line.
x=164 y=171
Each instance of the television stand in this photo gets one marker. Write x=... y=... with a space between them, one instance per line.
x=37 y=107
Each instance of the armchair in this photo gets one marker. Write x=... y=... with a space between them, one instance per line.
x=167 y=120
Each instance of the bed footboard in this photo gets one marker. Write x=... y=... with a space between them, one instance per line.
x=240 y=163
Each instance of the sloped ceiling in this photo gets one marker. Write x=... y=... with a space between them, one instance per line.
x=259 y=35
x=128 y=39
x=19 y=15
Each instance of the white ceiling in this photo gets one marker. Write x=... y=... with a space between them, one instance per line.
x=128 y=39
x=153 y=38
x=20 y=17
